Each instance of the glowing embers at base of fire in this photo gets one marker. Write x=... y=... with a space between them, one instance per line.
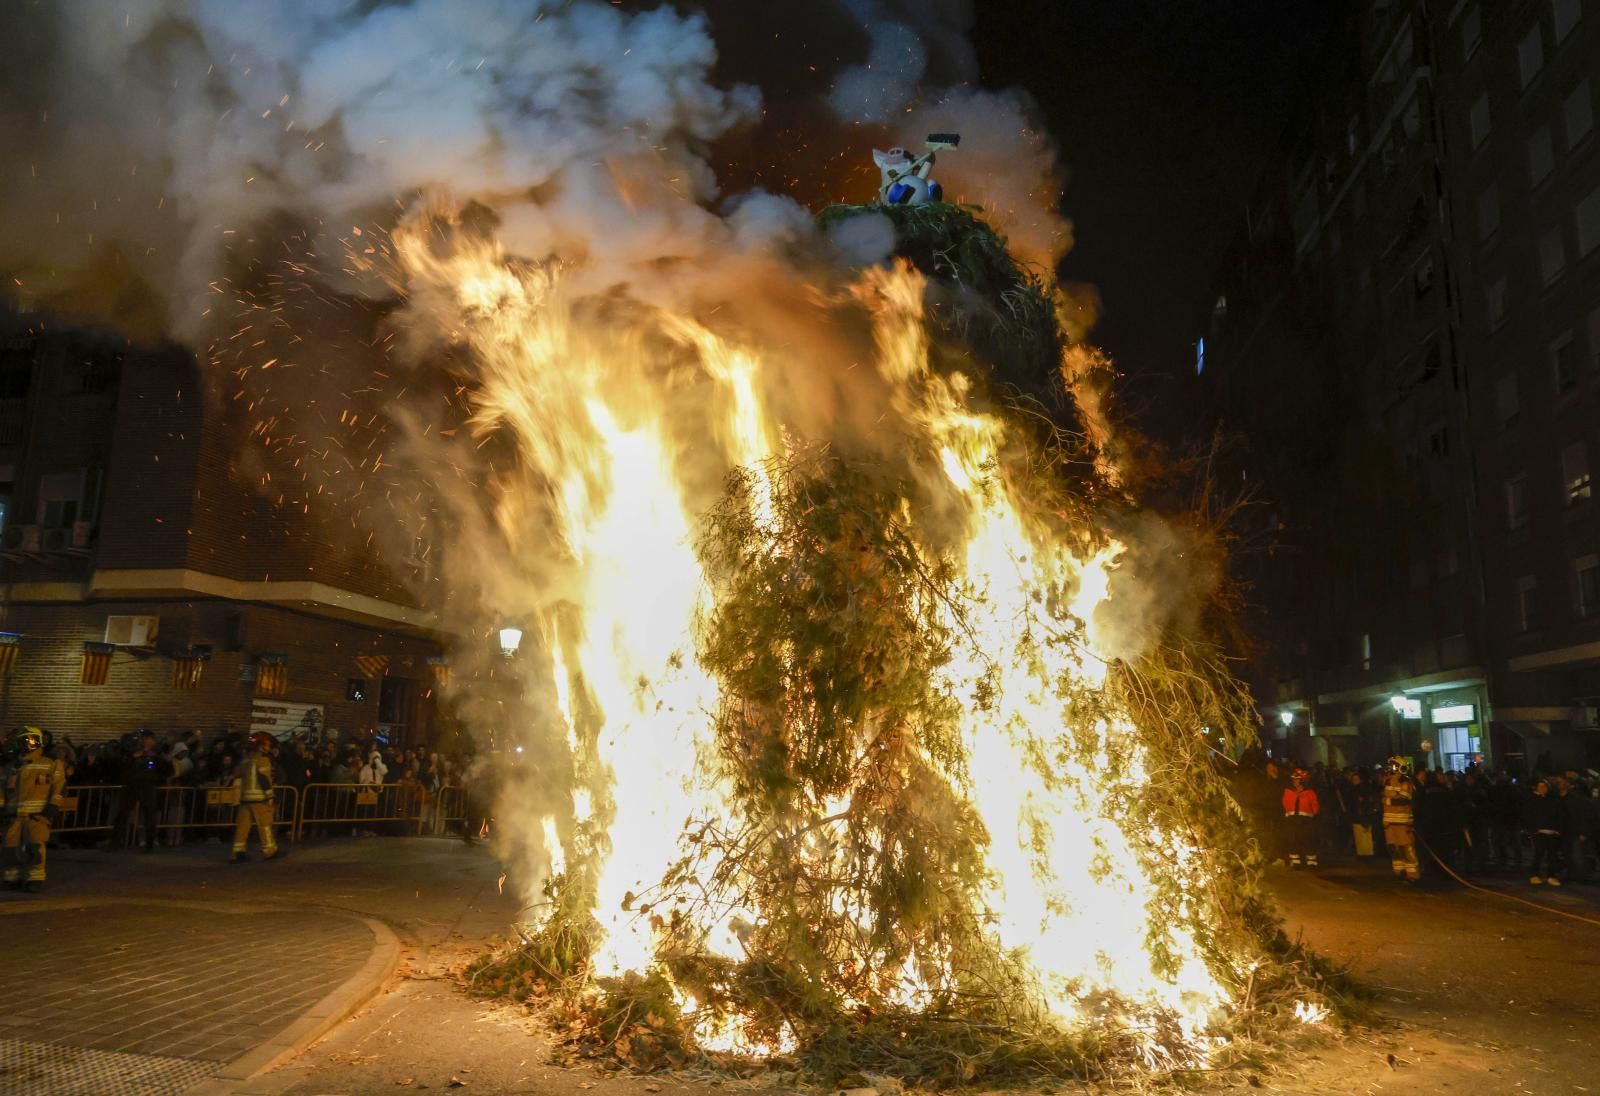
x=724 y=1034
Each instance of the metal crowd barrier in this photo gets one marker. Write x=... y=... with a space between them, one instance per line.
x=199 y=808
x=88 y=808
x=360 y=805
x=450 y=805
x=92 y=808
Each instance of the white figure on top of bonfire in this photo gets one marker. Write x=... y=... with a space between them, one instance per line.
x=905 y=178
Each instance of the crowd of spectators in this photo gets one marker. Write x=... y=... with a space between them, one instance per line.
x=134 y=768
x=1473 y=822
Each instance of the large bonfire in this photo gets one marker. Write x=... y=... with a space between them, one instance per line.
x=853 y=776
x=854 y=729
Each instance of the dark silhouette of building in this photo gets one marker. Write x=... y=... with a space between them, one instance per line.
x=1406 y=337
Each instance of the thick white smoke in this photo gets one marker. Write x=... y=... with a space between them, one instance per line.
x=920 y=76
x=172 y=130
x=154 y=138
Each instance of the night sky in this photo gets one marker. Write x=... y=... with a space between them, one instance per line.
x=1165 y=111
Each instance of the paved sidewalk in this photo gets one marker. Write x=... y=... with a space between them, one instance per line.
x=99 y=990
x=183 y=973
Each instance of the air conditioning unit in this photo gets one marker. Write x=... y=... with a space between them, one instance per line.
x=81 y=532
x=22 y=538
x=57 y=540
x=132 y=631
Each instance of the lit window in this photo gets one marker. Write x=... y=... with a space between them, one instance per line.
x=1577 y=113
x=1564 y=363
x=1589 y=222
x=1478 y=120
x=1530 y=55
x=1200 y=356
x=1567 y=13
x=1527 y=603
x=1552 y=256
x=1505 y=391
x=1488 y=212
x=1471 y=31
x=1541 y=155
x=1586 y=575
x=1517 y=502
x=1366 y=651
x=1575 y=474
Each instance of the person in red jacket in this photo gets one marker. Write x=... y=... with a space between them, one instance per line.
x=1300 y=809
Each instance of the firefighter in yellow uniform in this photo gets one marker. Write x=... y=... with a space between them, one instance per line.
x=254 y=781
x=1399 y=820
x=32 y=802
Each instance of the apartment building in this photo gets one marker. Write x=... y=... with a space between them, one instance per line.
x=1404 y=336
x=146 y=581
x=1520 y=110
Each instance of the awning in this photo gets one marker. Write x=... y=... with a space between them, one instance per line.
x=1522 y=728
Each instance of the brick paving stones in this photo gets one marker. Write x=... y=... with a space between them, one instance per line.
x=175 y=982
x=37 y=1068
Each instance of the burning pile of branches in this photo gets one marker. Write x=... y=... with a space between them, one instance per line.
x=947 y=836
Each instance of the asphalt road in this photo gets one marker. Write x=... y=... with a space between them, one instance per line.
x=1486 y=995
x=1480 y=994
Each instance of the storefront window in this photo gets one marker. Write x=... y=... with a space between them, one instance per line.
x=1459 y=746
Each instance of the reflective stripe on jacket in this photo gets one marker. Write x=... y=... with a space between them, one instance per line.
x=255 y=780
x=1301 y=802
x=1397 y=804
x=37 y=783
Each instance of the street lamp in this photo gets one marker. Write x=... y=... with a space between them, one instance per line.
x=510 y=640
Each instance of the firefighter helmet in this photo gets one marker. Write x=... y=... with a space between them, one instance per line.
x=262 y=741
x=31 y=739
x=1398 y=764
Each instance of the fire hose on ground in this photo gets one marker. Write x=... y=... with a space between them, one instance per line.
x=1502 y=894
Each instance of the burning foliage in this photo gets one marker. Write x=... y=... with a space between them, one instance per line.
x=982 y=301
x=931 y=829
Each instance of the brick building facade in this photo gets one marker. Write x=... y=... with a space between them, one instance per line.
x=132 y=516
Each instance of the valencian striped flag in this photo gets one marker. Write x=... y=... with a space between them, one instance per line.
x=187 y=665
x=96 y=665
x=272 y=674
x=372 y=665
x=440 y=665
x=10 y=648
